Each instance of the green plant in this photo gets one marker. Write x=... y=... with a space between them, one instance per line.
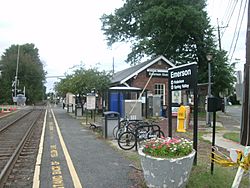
x=232 y=136
x=167 y=147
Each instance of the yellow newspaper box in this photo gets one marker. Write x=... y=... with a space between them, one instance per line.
x=181 y=116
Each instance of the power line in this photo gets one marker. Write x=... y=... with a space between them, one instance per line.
x=229 y=12
x=235 y=29
x=239 y=30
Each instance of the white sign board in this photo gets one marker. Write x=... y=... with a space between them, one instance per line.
x=69 y=98
x=91 y=102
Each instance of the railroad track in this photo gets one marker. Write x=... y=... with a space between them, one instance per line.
x=9 y=118
x=17 y=145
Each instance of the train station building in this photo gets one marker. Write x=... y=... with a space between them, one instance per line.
x=146 y=81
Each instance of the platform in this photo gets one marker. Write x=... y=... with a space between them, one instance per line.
x=72 y=156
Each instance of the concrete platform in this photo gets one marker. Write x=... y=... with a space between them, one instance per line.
x=73 y=156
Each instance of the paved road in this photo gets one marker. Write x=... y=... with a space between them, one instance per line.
x=231 y=122
x=230 y=119
x=234 y=111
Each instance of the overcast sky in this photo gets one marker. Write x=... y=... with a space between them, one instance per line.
x=69 y=32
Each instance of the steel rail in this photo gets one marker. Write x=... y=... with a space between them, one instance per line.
x=11 y=162
x=11 y=123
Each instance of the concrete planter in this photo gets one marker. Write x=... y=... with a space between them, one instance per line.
x=166 y=173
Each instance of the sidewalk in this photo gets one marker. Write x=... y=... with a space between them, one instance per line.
x=96 y=164
x=219 y=140
x=223 y=120
x=222 y=142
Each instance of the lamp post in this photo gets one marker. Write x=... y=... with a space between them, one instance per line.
x=209 y=59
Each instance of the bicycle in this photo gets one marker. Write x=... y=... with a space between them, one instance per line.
x=128 y=139
x=125 y=125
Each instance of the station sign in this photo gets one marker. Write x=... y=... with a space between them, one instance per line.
x=182 y=77
x=157 y=72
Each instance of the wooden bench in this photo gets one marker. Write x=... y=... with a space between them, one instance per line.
x=95 y=126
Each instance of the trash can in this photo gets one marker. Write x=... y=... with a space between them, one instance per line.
x=112 y=119
x=78 y=110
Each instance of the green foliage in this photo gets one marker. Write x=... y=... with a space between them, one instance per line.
x=30 y=73
x=222 y=177
x=232 y=136
x=222 y=75
x=84 y=81
x=179 y=30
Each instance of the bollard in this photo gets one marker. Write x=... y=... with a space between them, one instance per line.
x=181 y=118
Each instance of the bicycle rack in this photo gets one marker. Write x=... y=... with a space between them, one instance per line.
x=149 y=126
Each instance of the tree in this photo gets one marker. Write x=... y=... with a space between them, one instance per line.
x=222 y=75
x=84 y=81
x=175 y=29
x=30 y=73
x=179 y=30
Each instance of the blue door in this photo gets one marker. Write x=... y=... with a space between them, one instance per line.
x=116 y=103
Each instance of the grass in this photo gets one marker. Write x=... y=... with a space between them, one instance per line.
x=232 y=136
x=200 y=176
x=222 y=177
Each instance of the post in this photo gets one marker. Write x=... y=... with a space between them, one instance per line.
x=209 y=58
x=209 y=78
x=245 y=122
x=209 y=93
x=195 y=117
x=169 y=109
x=213 y=142
x=17 y=62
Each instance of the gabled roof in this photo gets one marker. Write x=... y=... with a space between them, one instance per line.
x=122 y=76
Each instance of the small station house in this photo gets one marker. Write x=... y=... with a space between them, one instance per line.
x=143 y=87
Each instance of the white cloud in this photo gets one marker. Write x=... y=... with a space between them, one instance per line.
x=65 y=32
x=219 y=12
x=68 y=32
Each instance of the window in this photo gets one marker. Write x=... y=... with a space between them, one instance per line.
x=160 y=90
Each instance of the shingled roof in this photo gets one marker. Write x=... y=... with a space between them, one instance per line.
x=122 y=76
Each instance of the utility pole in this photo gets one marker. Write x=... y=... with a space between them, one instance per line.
x=219 y=38
x=17 y=62
x=245 y=123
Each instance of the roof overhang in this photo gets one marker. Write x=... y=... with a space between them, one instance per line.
x=146 y=66
x=120 y=88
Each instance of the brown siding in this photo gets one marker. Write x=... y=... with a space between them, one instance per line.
x=141 y=79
